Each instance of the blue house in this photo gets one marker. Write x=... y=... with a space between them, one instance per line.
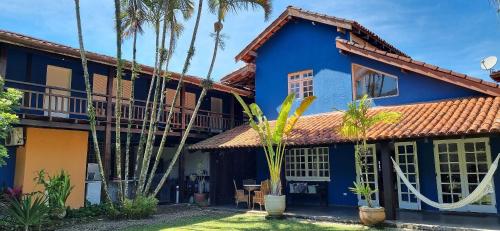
x=53 y=116
x=445 y=142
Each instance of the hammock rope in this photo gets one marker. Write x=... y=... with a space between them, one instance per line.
x=484 y=188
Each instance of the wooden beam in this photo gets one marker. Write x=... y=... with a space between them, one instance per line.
x=181 y=170
x=388 y=181
x=231 y=111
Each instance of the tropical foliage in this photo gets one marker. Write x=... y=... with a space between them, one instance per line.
x=356 y=122
x=28 y=211
x=140 y=207
x=9 y=100
x=273 y=138
x=57 y=188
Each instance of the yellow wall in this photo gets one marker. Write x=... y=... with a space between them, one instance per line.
x=53 y=150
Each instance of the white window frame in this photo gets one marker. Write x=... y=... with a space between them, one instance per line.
x=463 y=173
x=307 y=152
x=354 y=86
x=300 y=80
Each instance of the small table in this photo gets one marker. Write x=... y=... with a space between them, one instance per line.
x=250 y=188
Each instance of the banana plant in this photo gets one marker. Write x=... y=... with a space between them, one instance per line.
x=273 y=138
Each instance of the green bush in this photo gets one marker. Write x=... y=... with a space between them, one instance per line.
x=30 y=210
x=139 y=208
x=58 y=189
x=90 y=210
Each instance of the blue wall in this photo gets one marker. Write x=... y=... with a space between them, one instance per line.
x=299 y=46
x=343 y=172
x=7 y=171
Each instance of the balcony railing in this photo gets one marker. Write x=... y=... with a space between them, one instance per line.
x=60 y=103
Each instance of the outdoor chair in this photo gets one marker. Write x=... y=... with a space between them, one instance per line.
x=239 y=195
x=259 y=197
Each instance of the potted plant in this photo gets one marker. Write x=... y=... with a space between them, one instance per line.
x=273 y=140
x=356 y=122
x=201 y=197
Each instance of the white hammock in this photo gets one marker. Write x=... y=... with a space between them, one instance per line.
x=481 y=190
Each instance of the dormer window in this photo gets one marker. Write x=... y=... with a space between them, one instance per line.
x=301 y=83
x=373 y=83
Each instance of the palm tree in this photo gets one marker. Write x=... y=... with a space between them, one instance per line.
x=119 y=96
x=221 y=8
x=356 y=122
x=172 y=8
x=273 y=140
x=132 y=22
x=90 y=106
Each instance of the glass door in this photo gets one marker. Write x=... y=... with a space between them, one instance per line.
x=460 y=166
x=406 y=158
x=369 y=173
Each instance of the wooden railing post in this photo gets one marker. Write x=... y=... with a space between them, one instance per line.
x=50 y=104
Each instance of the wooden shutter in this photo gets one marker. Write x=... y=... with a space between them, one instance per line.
x=99 y=86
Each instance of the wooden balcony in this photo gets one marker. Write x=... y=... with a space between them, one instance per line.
x=47 y=106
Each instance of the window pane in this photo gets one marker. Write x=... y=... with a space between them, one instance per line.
x=374 y=84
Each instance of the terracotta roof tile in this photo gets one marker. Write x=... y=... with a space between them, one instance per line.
x=464 y=116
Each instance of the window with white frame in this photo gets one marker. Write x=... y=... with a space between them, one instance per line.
x=373 y=83
x=307 y=164
x=301 y=83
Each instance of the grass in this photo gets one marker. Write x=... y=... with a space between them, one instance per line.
x=243 y=222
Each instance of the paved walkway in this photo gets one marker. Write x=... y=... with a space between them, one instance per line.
x=406 y=219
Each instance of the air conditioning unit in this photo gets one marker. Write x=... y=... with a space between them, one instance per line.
x=15 y=137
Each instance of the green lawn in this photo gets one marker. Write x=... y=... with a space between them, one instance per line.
x=244 y=222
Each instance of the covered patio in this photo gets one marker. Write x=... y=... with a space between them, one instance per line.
x=406 y=219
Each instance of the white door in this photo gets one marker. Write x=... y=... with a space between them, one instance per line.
x=369 y=173
x=461 y=164
x=59 y=78
x=406 y=158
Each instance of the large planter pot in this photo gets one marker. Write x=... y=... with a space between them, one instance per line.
x=371 y=216
x=275 y=205
x=200 y=199
x=59 y=213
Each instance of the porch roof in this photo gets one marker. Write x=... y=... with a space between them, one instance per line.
x=463 y=116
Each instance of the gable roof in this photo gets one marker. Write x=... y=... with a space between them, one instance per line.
x=47 y=46
x=422 y=68
x=241 y=78
x=293 y=12
x=464 y=116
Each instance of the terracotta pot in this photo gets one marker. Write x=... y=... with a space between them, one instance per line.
x=275 y=205
x=371 y=216
x=200 y=198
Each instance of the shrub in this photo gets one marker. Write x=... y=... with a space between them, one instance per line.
x=58 y=188
x=139 y=208
x=90 y=210
x=30 y=210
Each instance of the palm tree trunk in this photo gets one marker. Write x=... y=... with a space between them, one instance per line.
x=130 y=108
x=119 y=94
x=169 y=116
x=140 y=149
x=181 y=144
x=152 y=122
x=90 y=106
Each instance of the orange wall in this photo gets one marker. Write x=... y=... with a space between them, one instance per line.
x=53 y=150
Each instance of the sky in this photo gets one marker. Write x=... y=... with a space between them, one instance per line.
x=453 y=34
